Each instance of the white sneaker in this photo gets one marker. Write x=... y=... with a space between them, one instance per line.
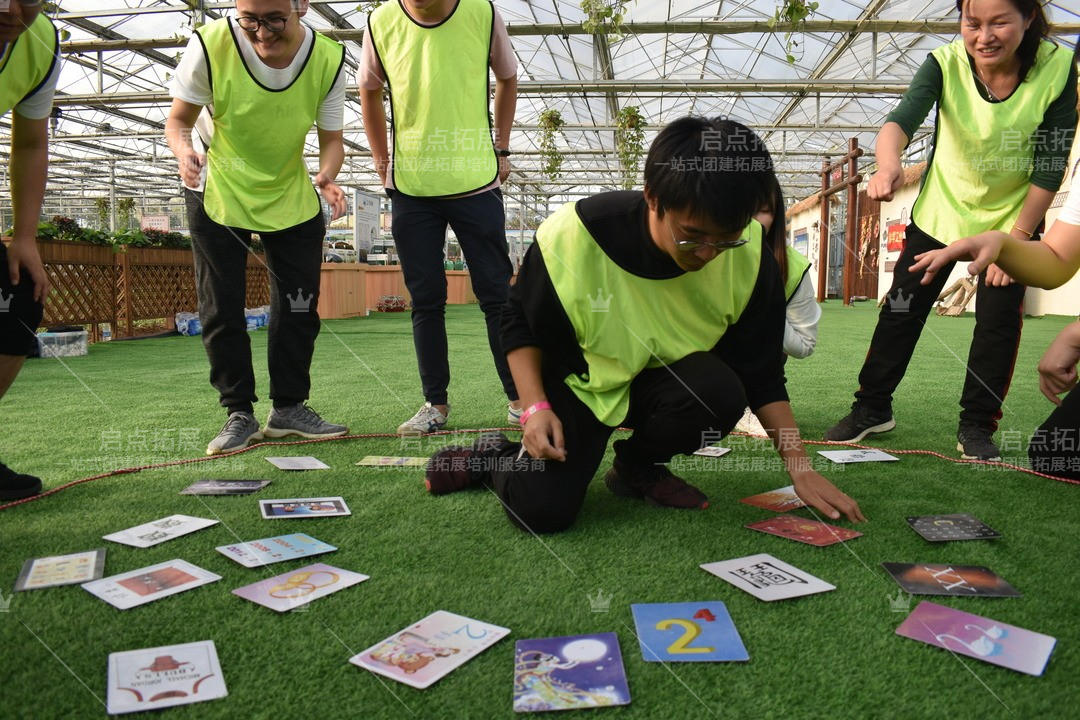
x=427 y=419
x=750 y=425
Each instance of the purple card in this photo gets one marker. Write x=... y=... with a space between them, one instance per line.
x=562 y=673
x=978 y=637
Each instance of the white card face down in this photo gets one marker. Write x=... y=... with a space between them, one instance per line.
x=767 y=578
x=857 y=456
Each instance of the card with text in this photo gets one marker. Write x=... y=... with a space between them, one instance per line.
x=688 y=632
x=957 y=526
x=147 y=584
x=256 y=553
x=713 y=451
x=43 y=572
x=159 y=531
x=304 y=508
x=224 y=487
x=163 y=677
x=767 y=578
x=857 y=456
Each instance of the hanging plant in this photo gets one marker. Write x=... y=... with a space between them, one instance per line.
x=792 y=14
x=604 y=17
x=366 y=8
x=629 y=143
x=104 y=212
x=550 y=122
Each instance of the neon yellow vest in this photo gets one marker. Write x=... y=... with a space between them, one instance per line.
x=625 y=323
x=438 y=80
x=256 y=176
x=983 y=154
x=797 y=265
x=28 y=63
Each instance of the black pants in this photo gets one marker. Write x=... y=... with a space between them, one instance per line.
x=20 y=314
x=991 y=358
x=293 y=257
x=419 y=228
x=670 y=408
x=1055 y=446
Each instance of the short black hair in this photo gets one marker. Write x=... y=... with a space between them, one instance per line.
x=714 y=167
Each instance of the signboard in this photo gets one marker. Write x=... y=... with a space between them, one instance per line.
x=802 y=241
x=155 y=222
x=366 y=228
x=895 y=238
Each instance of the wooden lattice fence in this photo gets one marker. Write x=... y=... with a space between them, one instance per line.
x=93 y=284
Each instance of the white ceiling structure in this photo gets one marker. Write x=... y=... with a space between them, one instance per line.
x=676 y=57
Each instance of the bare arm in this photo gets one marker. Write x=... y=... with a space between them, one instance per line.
x=1057 y=369
x=813 y=488
x=178 y=130
x=890 y=143
x=543 y=432
x=374 y=116
x=28 y=166
x=505 y=105
x=331 y=156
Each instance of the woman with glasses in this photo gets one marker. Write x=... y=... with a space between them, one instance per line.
x=658 y=310
x=29 y=70
x=1006 y=113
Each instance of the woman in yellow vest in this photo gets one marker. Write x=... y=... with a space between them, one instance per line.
x=266 y=79
x=1006 y=111
x=655 y=310
x=29 y=69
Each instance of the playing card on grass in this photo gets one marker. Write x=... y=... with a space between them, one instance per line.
x=978 y=637
x=224 y=487
x=564 y=673
x=713 y=451
x=387 y=461
x=958 y=526
x=256 y=553
x=780 y=500
x=425 y=652
x=767 y=578
x=158 y=531
x=857 y=456
x=811 y=532
x=290 y=590
x=147 y=584
x=297 y=463
x=688 y=632
x=162 y=677
x=46 y=572
x=304 y=508
x=962 y=580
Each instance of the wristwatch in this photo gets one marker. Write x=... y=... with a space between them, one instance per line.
x=503 y=152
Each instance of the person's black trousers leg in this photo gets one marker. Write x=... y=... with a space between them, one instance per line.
x=419 y=229
x=900 y=323
x=1055 y=446
x=220 y=257
x=479 y=223
x=294 y=258
x=20 y=314
x=999 y=318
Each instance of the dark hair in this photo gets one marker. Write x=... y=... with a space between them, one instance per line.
x=1036 y=32
x=714 y=167
x=776 y=237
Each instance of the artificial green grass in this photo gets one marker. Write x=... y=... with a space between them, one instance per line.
x=828 y=655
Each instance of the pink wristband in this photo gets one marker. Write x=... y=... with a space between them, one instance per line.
x=542 y=405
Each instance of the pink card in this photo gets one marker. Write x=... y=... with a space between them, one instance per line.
x=978 y=637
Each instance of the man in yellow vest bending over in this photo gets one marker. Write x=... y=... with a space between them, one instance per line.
x=656 y=311
x=29 y=69
x=445 y=168
x=265 y=79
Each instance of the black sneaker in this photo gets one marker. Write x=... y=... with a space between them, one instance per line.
x=16 y=486
x=456 y=468
x=976 y=442
x=859 y=423
x=656 y=484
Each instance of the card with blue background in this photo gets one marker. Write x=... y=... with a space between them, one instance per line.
x=688 y=632
x=563 y=673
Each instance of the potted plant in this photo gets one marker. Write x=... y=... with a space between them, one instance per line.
x=392 y=303
x=629 y=142
x=550 y=122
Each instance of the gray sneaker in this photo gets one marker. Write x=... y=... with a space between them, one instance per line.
x=300 y=420
x=427 y=419
x=239 y=431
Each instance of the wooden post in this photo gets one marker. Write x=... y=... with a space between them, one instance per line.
x=823 y=233
x=123 y=326
x=851 y=242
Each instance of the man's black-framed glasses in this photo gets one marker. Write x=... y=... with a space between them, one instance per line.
x=251 y=24
x=690 y=246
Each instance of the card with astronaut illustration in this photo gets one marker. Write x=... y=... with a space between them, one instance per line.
x=566 y=673
x=425 y=652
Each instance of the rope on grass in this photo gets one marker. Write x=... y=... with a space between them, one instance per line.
x=174 y=463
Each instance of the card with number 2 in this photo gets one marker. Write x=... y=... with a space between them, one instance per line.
x=688 y=632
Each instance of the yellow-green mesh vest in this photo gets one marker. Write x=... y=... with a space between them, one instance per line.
x=797 y=265
x=983 y=152
x=438 y=80
x=256 y=176
x=27 y=63
x=625 y=323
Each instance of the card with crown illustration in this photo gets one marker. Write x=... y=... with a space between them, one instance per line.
x=767 y=578
x=163 y=677
x=425 y=652
x=688 y=632
x=564 y=673
x=44 y=572
x=978 y=637
x=958 y=580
